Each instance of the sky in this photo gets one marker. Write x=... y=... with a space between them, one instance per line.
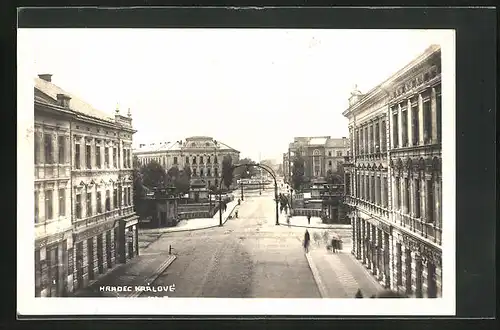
x=253 y=89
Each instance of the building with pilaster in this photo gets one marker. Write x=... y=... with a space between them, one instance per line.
x=84 y=217
x=393 y=177
x=202 y=154
x=320 y=154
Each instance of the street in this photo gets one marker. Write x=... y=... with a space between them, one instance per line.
x=249 y=257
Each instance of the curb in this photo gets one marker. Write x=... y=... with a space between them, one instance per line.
x=192 y=229
x=285 y=224
x=317 y=278
x=155 y=275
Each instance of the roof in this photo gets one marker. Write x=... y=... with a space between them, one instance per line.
x=200 y=142
x=76 y=104
x=337 y=143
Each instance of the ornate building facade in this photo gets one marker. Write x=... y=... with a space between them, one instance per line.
x=84 y=218
x=393 y=177
x=321 y=154
x=202 y=154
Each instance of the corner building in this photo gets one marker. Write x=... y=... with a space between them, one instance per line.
x=393 y=178
x=84 y=217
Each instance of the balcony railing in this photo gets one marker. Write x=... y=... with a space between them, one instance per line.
x=101 y=217
x=424 y=229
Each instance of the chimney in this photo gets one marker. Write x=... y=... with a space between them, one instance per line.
x=46 y=77
x=63 y=100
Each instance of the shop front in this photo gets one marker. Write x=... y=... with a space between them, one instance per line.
x=94 y=252
x=129 y=238
x=371 y=245
x=418 y=266
x=51 y=265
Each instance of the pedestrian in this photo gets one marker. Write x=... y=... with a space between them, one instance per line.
x=307 y=239
x=334 y=245
x=358 y=294
x=308 y=219
x=236 y=214
x=239 y=201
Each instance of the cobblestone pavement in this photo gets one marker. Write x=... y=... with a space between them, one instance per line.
x=249 y=257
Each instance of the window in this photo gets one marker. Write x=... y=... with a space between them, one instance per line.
x=61 y=139
x=373 y=197
x=88 y=158
x=77 y=156
x=201 y=160
x=395 y=133
x=114 y=157
x=37 y=207
x=124 y=158
x=78 y=204
x=118 y=156
x=379 y=188
x=397 y=203
x=89 y=204
x=194 y=160
x=399 y=265
x=371 y=140
x=385 y=192
x=48 y=205
x=215 y=160
x=216 y=172
x=115 y=198
x=106 y=157
x=329 y=163
x=38 y=141
x=438 y=116
x=415 y=125
x=377 y=137
x=407 y=195
x=209 y=173
x=383 y=140
x=128 y=158
x=175 y=160
x=404 y=127
x=201 y=172
x=98 y=154
x=62 y=202
x=49 y=149
x=430 y=201
x=417 y=198
x=208 y=160
x=339 y=153
x=427 y=121
x=366 y=143
x=130 y=194
x=187 y=160
x=194 y=172
x=99 y=202
x=329 y=154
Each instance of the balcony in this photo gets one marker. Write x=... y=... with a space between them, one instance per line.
x=367 y=207
x=418 y=226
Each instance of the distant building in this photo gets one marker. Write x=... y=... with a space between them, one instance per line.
x=202 y=154
x=84 y=215
x=394 y=177
x=321 y=154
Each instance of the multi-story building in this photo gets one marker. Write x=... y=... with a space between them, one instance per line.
x=393 y=177
x=202 y=154
x=84 y=217
x=321 y=154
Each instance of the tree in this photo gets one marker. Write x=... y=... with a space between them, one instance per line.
x=154 y=175
x=181 y=179
x=298 y=172
x=241 y=172
x=227 y=171
x=139 y=189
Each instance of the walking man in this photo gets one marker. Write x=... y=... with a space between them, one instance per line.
x=308 y=219
x=307 y=239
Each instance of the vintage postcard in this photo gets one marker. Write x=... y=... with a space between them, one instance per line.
x=236 y=171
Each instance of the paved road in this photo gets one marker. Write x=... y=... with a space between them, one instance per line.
x=249 y=257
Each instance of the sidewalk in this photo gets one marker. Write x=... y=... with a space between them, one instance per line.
x=195 y=224
x=140 y=271
x=340 y=275
x=301 y=221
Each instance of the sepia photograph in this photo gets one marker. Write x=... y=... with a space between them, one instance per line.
x=236 y=171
